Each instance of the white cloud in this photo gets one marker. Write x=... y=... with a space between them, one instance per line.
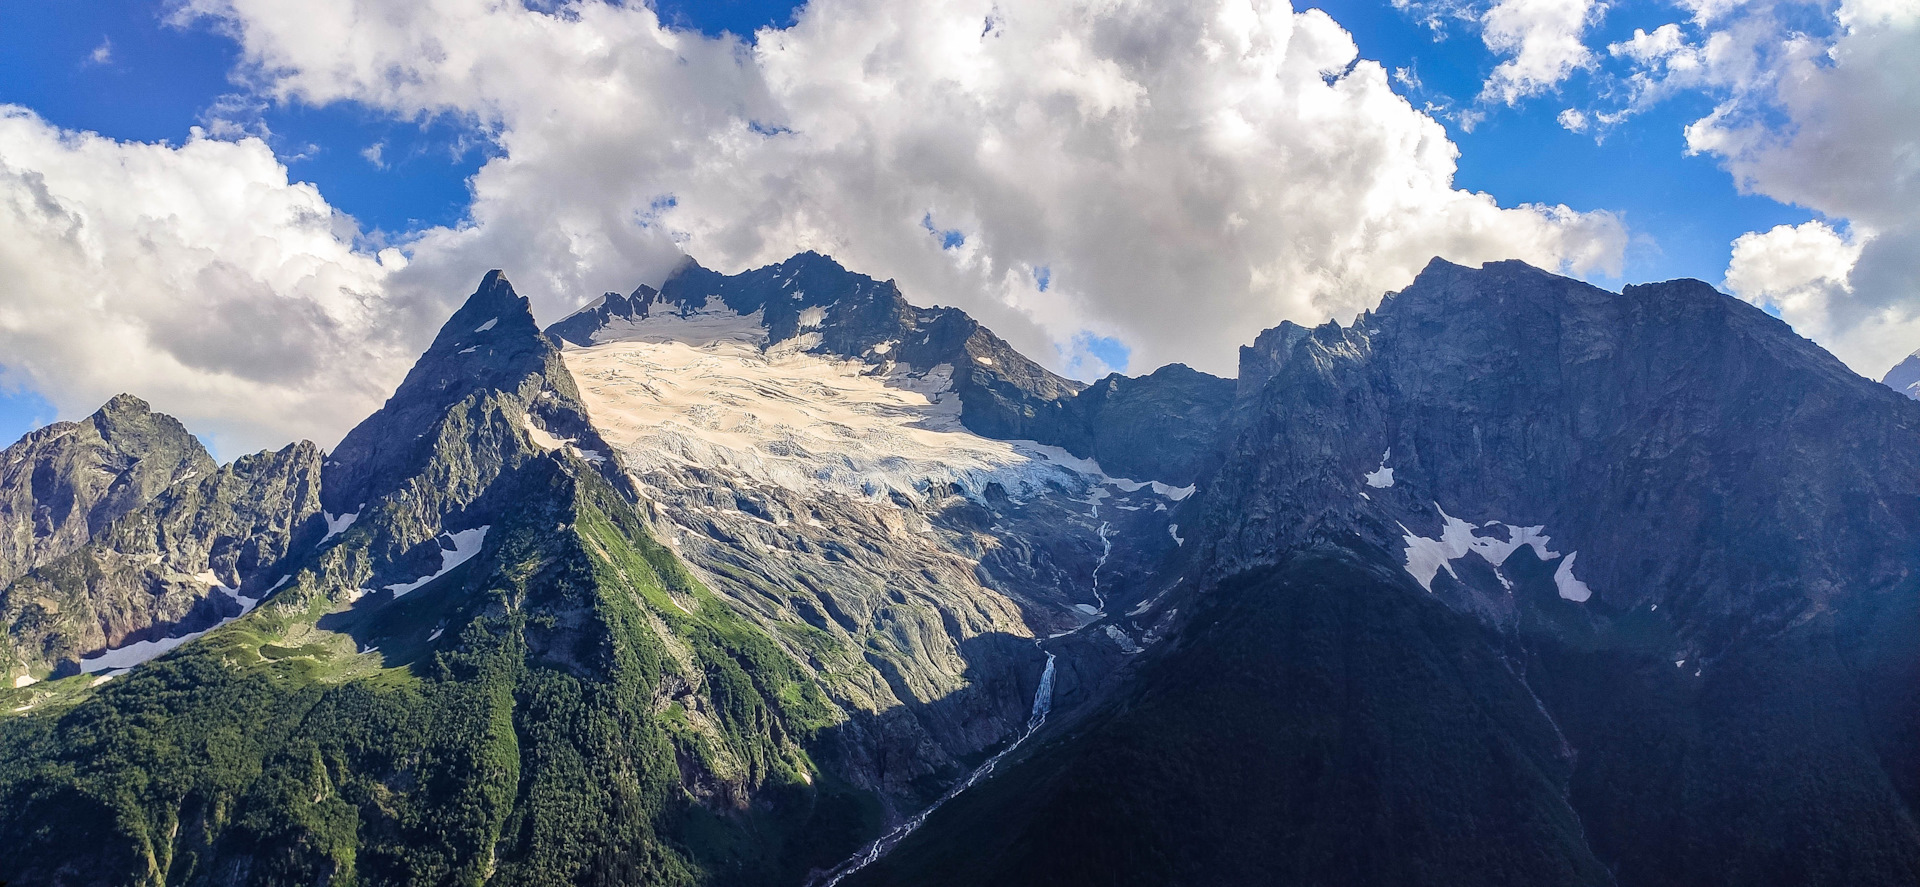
x=194 y=276
x=1544 y=41
x=102 y=54
x=1798 y=270
x=1190 y=173
x=1185 y=174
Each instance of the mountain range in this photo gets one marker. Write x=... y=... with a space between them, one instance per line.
x=776 y=578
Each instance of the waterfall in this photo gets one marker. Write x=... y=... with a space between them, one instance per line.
x=1042 y=706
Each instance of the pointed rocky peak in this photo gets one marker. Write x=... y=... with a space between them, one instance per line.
x=1261 y=360
x=129 y=419
x=123 y=404
x=484 y=395
x=579 y=327
x=1905 y=376
x=65 y=483
x=493 y=315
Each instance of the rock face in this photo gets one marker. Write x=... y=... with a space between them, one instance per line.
x=1683 y=443
x=808 y=443
x=1165 y=425
x=126 y=535
x=63 y=484
x=201 y=551
x=1518 y=559
x=1512 y=581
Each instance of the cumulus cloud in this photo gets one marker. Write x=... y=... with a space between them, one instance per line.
x=195 y=276
x=1800 y=271
x=1826 y=119
x=1141 y=181
x=1187 y=173
x=1544 y=42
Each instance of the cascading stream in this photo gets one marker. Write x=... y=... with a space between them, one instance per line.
x=1042 y=705
x=1106 y=551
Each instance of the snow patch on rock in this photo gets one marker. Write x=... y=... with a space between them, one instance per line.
x=545 y=440
x=466 y=544
x=1382 y=477
x=1426 y=557
x=338 y=525
x=486 y=326
x=1570 y=588
x=144 y=651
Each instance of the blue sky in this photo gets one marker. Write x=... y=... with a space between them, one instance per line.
x=121 y=69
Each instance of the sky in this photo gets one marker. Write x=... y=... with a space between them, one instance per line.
x=255 y=213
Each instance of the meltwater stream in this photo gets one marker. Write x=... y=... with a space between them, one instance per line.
x=1042 y=704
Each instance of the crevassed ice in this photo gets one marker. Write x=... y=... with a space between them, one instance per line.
x=703 y=389
x=1426 y=557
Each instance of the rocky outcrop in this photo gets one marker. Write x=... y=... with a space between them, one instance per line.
x=1682 y=442
x=1636 y=559
x=178 y=564
x=65 y=483
x=845 y=503
x=1165 y=425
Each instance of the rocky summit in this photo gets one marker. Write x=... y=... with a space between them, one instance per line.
x=776 y=578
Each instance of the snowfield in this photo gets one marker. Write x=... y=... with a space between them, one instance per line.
x=703 y=389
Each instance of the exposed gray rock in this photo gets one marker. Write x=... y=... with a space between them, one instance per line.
x=62 y=484
x=1694 y=451
x=1165 y=425
x=178 y=564
x=910 y=577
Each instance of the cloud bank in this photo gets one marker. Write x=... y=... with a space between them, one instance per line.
x=196 y=276
x=1173 y=175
